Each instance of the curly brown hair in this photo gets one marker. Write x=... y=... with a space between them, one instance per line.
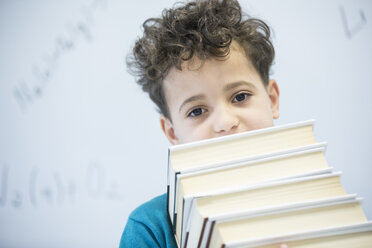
x=202 y=28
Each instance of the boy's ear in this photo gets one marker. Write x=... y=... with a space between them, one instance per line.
x=167 y=127
x=273 y=92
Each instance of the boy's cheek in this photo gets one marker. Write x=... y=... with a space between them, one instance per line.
x=256 y=119
x=197 y=133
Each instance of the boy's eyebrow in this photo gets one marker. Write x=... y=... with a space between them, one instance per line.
x=237 y=84
x=191 y=99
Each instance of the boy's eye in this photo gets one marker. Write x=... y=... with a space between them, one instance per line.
x=196 y=112
x=241 y=97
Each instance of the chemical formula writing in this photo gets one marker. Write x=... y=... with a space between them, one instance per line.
x=351 y=28
x=28 y=90
x=52 y=188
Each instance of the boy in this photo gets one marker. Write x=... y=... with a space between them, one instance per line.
x=207 y=69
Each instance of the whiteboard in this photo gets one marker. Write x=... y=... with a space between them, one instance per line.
x=81 y=145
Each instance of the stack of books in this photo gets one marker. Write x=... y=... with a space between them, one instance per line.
x=259 y=189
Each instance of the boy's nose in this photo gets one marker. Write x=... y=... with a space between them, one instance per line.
x=225 y=122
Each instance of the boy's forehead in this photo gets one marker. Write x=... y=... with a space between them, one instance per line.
x=195 y=62
x=195 y=68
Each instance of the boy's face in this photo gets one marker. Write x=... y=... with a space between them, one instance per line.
x=221 y=97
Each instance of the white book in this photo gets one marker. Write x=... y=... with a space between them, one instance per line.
x=351 y=236
x=217 y=151
x=296 y=162
x=216 y=205
x=286 y=220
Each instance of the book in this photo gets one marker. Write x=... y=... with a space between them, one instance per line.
x=217 y=152
x=307 y=161
x=308 y=216
x=220 y=189
x=214 y=208
x=349 y=236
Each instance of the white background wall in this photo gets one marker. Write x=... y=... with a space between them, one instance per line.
x=80 y=144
